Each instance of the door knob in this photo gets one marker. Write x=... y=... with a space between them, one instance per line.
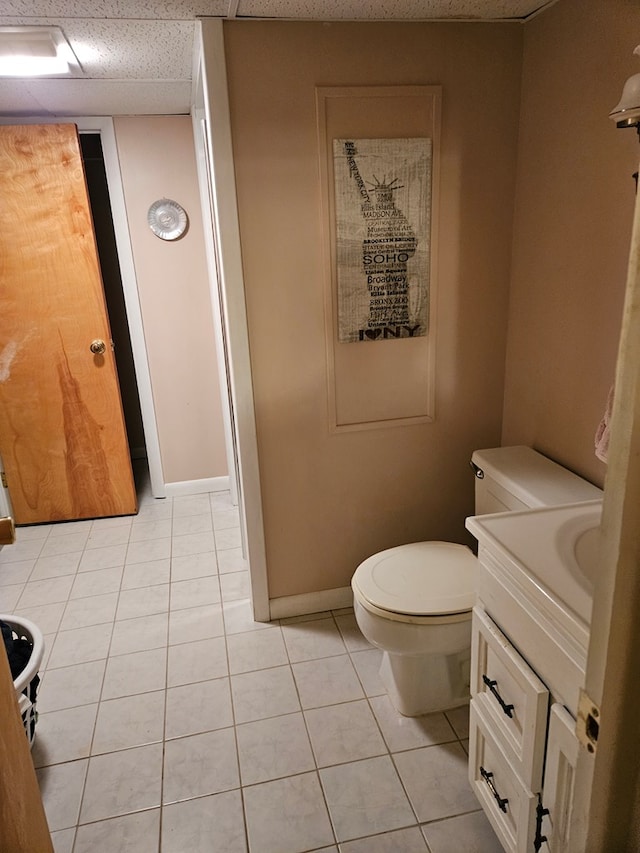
x=97 y=347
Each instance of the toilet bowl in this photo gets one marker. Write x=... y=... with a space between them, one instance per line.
x=414 y=602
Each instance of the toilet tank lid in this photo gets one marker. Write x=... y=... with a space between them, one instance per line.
x=423 y=578
x=533 y=478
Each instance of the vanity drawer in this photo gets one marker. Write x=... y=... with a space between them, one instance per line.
x=511 y=697
x=509 y=805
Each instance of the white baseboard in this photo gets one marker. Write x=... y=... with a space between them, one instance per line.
x=310 y=602
x=196 y=487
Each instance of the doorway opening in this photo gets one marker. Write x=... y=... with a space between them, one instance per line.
x=100 y=203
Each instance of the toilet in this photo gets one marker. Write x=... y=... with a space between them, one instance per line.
x=414 y=601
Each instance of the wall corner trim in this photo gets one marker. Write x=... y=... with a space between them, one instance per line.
x=196 y=487
x=310 y=602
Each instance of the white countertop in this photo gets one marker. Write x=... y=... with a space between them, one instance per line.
x=546 y=544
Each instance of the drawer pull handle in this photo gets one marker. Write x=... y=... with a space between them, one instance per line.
x=488 y=778
x=508 y=709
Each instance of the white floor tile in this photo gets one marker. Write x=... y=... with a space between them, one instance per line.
x=265 y=693
x=201 y=707
x=319 y=638
x=272 y=748
x=365 y=797
x=81 y=612
x=287 y=815
x=195 y=623
x=9 y=596
x=459 y=719
x=129 y=721
x=97 y=582
x=62 y=840
x=146 y=574
x=146 y=551
x=147 y=530
x=55 y=566
x=101 y=537
x=254 y=650
x=435 y=779
x=235 y=585
x=61 y=786
x=205 y=825
x=103 y=558
x=225 y=518
x=143 y=602
x=139 y=672
x=471 y=833
x=16 y=573
x=71 y=686
x=35 y=531
x=231 y=560
x=228 y=537
x=199 y=661
x=44 y=592
x=64 y=735
x=351 y=633
x=122 y=782
x=193 y=543
x=140 y=636
x=409 y=732
x=192 y=593
x=343 y=733
x=80 y=645
x=326 y=681
x=137 y=635
x=184 y=525
x=189 y=770
x=238 y=618
x=194 y=566
x=190 y=505
x=71 y=542
x=367 y=665
x=400 y=841
x=23 y=549
x=132 y=833
x=47 y=617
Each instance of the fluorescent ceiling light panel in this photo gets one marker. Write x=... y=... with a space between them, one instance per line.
x=35 y=52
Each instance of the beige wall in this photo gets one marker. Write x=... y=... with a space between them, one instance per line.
x=574 y=208
x=157 y=160
x=330 y=500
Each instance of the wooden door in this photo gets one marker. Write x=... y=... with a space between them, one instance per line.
x=23 y=824
x=62 y=433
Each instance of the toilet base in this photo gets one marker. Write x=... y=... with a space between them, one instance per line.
x=424 y=684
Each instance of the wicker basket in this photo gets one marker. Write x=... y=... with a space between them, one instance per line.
x=25 y=687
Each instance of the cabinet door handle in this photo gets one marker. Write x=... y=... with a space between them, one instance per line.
x=508 y=709
x=488 y=778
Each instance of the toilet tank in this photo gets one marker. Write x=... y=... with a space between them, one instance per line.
x=512 y=478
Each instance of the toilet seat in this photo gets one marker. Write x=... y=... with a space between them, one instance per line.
x=423 y=582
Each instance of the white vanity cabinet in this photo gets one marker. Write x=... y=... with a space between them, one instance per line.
x=529 y=647
x=522 y=751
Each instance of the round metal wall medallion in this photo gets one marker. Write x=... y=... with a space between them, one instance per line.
x=167 y=219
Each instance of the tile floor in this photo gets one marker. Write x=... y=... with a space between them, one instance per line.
x=170 y=721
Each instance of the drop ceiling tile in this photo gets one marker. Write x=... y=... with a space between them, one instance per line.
x=95 y=97
x=127 y=49
x=388 y=9
x=177 y=10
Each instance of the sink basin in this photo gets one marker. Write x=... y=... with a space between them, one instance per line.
x=578 y=543
x=554 y=555
x=587 y=553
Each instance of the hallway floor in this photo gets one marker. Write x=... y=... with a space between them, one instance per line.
x=170 y=721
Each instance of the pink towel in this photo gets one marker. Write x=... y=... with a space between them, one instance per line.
x=603 y=431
